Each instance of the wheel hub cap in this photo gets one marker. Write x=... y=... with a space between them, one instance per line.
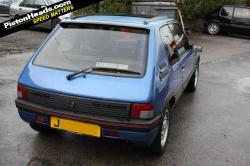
x=213 y=28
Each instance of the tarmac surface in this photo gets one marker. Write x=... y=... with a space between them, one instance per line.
x=209 y=127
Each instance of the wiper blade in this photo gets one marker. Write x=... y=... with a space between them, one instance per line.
x=90 y=69
x=84 y=71
x=117 y=70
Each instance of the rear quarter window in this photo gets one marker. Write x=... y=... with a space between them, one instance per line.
x=242 y=13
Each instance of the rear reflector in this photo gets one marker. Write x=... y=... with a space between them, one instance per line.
x=40 y=119
x=142 y=111
x=111 y=133
x=22 y=92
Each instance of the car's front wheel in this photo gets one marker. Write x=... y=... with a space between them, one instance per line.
x=159 y=145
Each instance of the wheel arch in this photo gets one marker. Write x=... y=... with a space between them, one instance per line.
x=169 y=102
x=216 y=21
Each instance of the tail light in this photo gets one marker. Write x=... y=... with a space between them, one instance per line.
x=22 y=92
x=142 y=111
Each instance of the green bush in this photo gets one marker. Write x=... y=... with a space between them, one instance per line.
x=192 y=8
x=198 y=8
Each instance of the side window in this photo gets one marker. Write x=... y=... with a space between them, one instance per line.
x=242 y=13
x=181 y=42
x=39 y=3
x=227 y=11
x=26 y=3
x=169 y=43
x=33 y=3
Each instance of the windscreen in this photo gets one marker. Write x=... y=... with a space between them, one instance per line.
x=75 y=47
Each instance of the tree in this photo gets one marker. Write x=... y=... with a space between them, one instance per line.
x=248 y=2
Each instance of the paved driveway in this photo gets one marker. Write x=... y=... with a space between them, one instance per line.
x=210 y=127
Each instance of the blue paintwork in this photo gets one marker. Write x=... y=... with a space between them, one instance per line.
x=125 y=19
x=31 y=117
x=148 y=89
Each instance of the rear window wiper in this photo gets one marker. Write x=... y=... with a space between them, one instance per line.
x=117 y=70
x=91 y=69
x=84 y=71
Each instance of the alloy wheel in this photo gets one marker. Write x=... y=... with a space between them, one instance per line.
x=213 y=28
x=164 y=130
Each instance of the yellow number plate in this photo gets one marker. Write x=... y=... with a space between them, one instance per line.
x=75 y=126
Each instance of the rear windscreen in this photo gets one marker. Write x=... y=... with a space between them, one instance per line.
x=75 y=47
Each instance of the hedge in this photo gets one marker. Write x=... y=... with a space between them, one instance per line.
x=108 y=6
x=192 y=8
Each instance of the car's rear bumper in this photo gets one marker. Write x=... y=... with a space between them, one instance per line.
x=140 y=132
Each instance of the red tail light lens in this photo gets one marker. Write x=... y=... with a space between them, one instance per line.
x=22 y=92
x=142 y=111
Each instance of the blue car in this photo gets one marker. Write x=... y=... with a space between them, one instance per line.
x=109 y=76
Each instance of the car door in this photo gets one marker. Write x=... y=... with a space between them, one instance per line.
x=27 y=6
x=184 y=53
x=170 y=65
x=241 y=19
x=225 y=17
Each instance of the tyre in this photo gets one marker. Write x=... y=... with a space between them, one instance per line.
x=54 y=23
x=213 y=28
x=158 y=147
x=40 y=128
x=16 y=16
x=193 y=82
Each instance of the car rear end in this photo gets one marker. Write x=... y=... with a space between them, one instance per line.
x=116 y=100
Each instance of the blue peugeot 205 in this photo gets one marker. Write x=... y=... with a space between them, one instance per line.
x=109 y=76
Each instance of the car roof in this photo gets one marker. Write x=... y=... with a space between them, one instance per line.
x=239 y=6
x=124 y=19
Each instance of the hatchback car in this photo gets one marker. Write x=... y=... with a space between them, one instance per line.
x=228 y=18
x=22 y=7
x=109 y=76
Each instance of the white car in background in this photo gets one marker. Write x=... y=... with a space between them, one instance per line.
x=22 y=7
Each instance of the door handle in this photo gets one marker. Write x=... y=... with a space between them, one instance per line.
x=20 y=8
